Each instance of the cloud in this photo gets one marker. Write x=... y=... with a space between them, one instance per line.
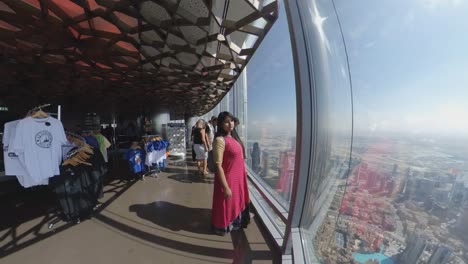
x=409 y=19
x=432 y=4
x=344 y=71
x=369 y=45
x=443 y=119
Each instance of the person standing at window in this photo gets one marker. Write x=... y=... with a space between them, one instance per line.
x=201 y=146
x=230 y=195
x=210 y=131
x=255 y=154
x=214 y=123
x=194 y=156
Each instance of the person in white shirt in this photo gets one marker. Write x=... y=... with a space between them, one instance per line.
x=210 y=133
x=214 y=124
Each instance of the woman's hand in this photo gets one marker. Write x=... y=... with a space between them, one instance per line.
x=227 y=193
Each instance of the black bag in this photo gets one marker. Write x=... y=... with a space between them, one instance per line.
x=78 y=188
x=71 y=188
x=210 y=162
x=67 y=188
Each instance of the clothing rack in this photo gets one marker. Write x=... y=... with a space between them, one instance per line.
x=68 y=133
x=147 y=138
x=57 y=217
x=40 y=107
x=37 y=108
x=153 y=171
x=58 y=115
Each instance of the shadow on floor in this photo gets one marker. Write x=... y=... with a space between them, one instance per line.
x=243 y=252
x=179 y=170
x=175 y=217
x=40 y=203
x=197 y=221
x=25 y=204
x=191 y=178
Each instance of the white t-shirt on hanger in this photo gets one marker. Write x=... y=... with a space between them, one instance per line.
x=155 y=157
x=38 y=143
x=13 y=166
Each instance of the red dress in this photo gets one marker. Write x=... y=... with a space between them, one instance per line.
x=230 y=214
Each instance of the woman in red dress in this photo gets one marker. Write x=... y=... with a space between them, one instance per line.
x=230 y=195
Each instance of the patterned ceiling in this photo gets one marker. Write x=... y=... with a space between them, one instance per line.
x=180 y=54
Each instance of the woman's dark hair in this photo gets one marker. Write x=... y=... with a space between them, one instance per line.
x=221 y=117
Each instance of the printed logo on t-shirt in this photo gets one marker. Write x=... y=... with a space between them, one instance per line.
x=44 y=139
x=12 y=155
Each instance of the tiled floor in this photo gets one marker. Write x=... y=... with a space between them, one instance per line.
x=159 y=220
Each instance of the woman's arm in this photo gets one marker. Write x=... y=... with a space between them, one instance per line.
x=218 y=153
x=203 y=137
x=208 y=141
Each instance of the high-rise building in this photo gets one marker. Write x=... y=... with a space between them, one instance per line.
x=423 y=189
x=340 y=239
x=415 y=244
x=441 y=255
x=458 y=193
x=395 y=169
x=460 y=226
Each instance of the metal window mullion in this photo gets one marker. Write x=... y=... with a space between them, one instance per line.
x=274 y=204
x=304 y=104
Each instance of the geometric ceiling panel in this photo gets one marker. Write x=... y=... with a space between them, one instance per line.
x=154 y=13
x=193 y=33
x=182 y=55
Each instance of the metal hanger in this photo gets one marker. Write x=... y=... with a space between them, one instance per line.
x=37 y=112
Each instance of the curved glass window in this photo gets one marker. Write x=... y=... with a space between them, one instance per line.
x=404 y=198
x=271 y=112
x=331 y=130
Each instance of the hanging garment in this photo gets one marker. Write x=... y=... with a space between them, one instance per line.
x=104 y=144
x=38 y=144
x=98 y=170
x=136 y=158
x=79 y=187
x=156 y=153
x=92 y=141
x=13 y=166
x=233 y=213
x=12 y=163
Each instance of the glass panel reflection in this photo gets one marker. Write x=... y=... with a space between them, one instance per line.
x=406 y=197
x=332 y=124
x=271 y=112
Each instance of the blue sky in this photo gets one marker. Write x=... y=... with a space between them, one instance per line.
x=409 y=64
x=270 y=77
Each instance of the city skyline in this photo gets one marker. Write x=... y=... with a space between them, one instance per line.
x=395 y=190
x=405 y=192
